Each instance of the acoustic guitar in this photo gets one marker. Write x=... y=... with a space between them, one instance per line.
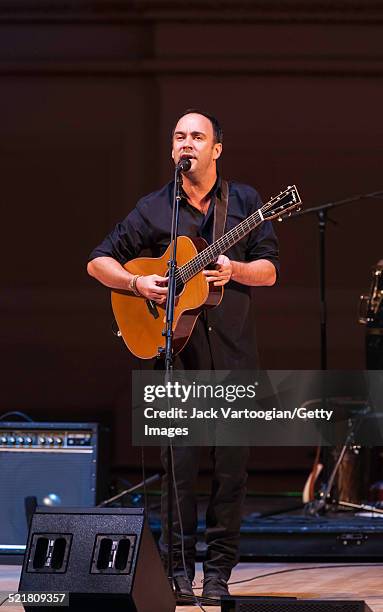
x=141 y=321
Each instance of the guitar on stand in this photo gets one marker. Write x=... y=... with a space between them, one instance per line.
x=141 y=321
x=339 y=489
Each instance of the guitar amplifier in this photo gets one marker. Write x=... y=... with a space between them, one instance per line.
x=57 y=463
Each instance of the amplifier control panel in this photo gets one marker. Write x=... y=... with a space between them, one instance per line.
x=52 y=439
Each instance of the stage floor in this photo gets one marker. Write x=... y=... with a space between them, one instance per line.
x=338 y=581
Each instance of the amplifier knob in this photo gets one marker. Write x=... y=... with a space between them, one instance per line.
x=41 y=440
x=58 y=440
x=50 y=440
x=11 y=440
x=20 y=440
x=28 y=440
x=3 y=440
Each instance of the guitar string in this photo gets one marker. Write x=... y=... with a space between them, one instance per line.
x=238 y=232
x=221 y=245
x=197 y=263
x=224 y=243
x=208 y=255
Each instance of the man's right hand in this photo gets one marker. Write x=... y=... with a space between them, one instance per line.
x=153 y=287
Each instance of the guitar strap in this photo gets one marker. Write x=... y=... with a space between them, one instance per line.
x=220 y=210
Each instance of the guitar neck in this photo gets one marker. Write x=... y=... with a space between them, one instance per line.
x=210 y=254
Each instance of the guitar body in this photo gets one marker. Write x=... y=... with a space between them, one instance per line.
x=140 y=325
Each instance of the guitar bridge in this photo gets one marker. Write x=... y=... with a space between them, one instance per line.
x=153 y=310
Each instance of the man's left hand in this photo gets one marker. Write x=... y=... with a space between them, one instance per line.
x=222 y=272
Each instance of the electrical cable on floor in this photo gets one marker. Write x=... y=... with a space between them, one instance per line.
x=303 y=569
x=16 y=413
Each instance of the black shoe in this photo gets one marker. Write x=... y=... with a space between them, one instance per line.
x=184 y=591
x=215 y=587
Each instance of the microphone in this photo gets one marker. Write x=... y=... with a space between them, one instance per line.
x=183 y=165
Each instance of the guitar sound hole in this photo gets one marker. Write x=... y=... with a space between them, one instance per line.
x=179 y=287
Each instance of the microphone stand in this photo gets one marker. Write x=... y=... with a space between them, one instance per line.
x=182 y=166
x=172 y=267
x=321 y=212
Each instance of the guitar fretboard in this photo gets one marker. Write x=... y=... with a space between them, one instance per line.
x=210 y=254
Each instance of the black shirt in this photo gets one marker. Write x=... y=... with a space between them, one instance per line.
x=224 y=337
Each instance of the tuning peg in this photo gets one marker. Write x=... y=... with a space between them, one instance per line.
x=280 y=219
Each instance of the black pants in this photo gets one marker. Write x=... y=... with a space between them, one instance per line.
x=228 y=489
x=223 y=515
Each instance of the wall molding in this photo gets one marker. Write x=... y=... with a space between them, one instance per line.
x=329 y=67
x=340 y=12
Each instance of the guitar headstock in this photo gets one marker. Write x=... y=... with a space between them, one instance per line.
x=282 y=204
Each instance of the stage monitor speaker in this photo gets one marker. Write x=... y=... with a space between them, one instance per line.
x=258 y=604
x=57 y=463
x=105 y=558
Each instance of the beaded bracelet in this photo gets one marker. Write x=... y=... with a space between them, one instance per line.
x=133 y=284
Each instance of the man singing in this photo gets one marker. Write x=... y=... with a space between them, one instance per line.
x=223 y=338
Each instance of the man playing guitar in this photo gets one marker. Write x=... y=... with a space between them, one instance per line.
x=222 y=338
